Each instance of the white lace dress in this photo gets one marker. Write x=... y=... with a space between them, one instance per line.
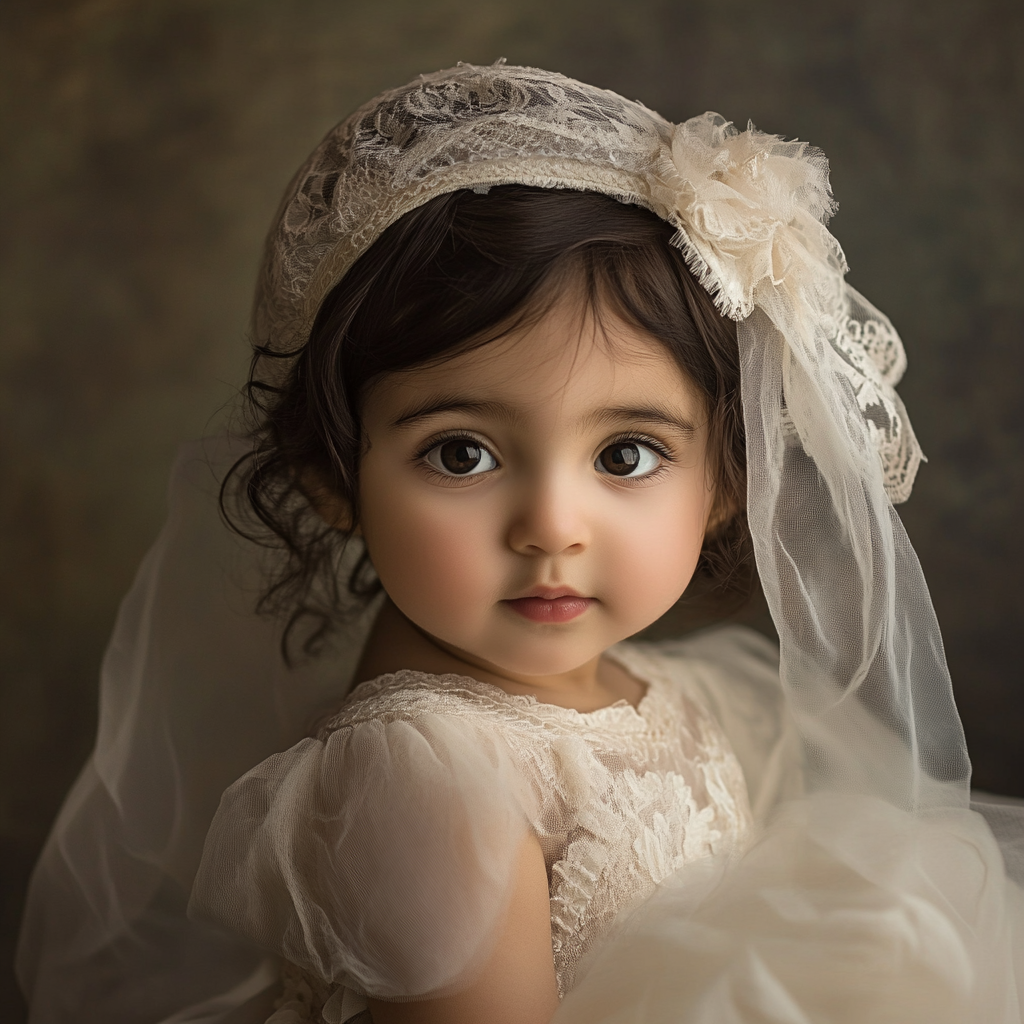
x=372 y=858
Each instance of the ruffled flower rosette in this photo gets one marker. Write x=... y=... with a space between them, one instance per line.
x=750 y=208
x=750 y=211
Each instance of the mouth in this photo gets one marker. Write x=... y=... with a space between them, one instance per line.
x=550 y=604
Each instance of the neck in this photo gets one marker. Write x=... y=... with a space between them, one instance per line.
x=396 y=643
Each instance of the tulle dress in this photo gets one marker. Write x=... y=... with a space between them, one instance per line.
x=373 y=856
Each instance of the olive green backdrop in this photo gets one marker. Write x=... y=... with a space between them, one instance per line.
x=144 y=144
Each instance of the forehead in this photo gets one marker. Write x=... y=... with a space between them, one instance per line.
x=572 y=356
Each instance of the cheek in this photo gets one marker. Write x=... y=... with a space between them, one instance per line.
x=656 y=547
x=434 y=560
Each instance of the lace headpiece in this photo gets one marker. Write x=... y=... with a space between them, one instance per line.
x=747 y=207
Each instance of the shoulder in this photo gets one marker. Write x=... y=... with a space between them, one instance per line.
x=376 y=853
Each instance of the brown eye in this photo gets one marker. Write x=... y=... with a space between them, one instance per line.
x=627 y=458
x=461 y=457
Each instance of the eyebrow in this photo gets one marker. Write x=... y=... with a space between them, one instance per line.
x=645 y=413
x=455 y=403
x=615 y=414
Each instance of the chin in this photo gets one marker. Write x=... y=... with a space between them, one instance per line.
x=551 y=656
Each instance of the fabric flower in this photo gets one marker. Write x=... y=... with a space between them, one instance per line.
x=750 y=208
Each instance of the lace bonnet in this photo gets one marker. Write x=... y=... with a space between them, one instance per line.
x=747 y=207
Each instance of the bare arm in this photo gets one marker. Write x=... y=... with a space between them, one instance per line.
x=517 y=984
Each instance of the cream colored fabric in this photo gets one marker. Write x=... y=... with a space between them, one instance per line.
x=374 y=857
x=846 y=911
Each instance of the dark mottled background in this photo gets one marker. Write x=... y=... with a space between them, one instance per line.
x=144 y=144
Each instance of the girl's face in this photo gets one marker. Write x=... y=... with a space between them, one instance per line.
x=532 y=502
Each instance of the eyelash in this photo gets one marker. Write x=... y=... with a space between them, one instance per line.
x=645 y=439
x=656 y=446
x=659 y=447
x=420 y=457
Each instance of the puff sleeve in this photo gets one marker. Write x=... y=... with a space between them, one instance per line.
x=377 y=857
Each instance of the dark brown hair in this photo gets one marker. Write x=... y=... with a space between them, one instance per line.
x=456 y=273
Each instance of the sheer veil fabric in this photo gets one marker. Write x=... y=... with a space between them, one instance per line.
x=192 y=694
x=877 y=895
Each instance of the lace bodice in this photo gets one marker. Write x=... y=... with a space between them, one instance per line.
x=619 y=798
x=626 y=796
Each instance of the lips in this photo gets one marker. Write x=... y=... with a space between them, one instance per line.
x=550 y=604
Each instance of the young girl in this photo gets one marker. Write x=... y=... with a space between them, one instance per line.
x=528 y=359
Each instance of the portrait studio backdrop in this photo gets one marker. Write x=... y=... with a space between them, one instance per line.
x=144 y=149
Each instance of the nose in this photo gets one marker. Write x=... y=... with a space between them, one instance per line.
x=550 y=517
